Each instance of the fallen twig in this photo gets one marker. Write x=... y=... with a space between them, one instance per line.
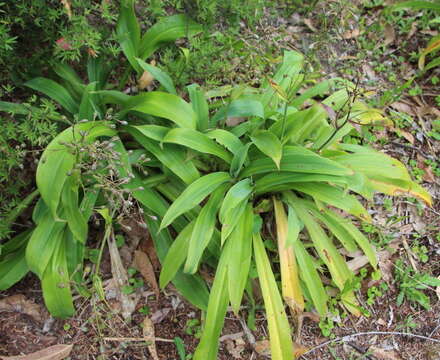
x=136 y=339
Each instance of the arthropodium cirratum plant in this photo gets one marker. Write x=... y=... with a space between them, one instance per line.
x=215 y=185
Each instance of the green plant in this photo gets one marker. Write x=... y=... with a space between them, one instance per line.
x=376 y=291
x=412 y=284
x=220 y=168
x=193 y=327
x=180 y=346
x=408 y=324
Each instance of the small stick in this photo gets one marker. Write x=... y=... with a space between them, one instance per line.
x=136 y=339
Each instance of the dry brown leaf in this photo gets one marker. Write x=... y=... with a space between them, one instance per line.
x=56 y=352
x=428 y=175
x=390 y=34
x=429 y=32
x=128 y=302
x=309 y=24
x=235 y=347
x=68 y=7
x=348 y=57
x=403 y=107
x=381 y=322
x=382 y=354
x=407 y=135
x=367 y=69
x=385 y=265
x=231 y=336
x=143 y=264
x=147 y=246
x=145 y=80
x=351 y=34
x=262 y=347
x=406 y=229
x=357 y=263
x=160 y=314
x=298 y=350
x=412 y=31
x=150 y=338
x=235 y=120
x=19 y=303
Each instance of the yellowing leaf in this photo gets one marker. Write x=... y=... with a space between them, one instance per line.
x=290 y=285
x=397 y=187
x=362 y=114
x=433 y=45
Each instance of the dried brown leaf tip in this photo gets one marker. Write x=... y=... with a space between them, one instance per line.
x=56 y=352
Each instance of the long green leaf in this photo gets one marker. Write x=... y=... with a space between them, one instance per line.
x=55 y=91
x=311 y=278
x=164 y=105
x=239 y=260
x=167 y=30
x=237 y=194
x=297 y=159
x=238 y=108
x=193 y=195
x=326 y=250
x=285 y=180
x=88 y=106
x=176 y=255
x=269 y=145
x=43 y=243
x=416 y=5
x=67 y=73
x=73 y=214
x=227 y=139
x=13 y=266
x=281 y=344
x=12 y=269
x=334 y=196
x=233 y=207
x=196 y=141
x=128 y=32
x=203 y=230
x=169 y=155
x=159 y=75
x=215 y=316
x=239 y=160
x=155 y=132
x=55 y=283
x=200 y=106
x=192 y=287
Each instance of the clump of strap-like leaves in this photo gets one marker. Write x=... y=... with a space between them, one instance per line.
x=221 y=167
